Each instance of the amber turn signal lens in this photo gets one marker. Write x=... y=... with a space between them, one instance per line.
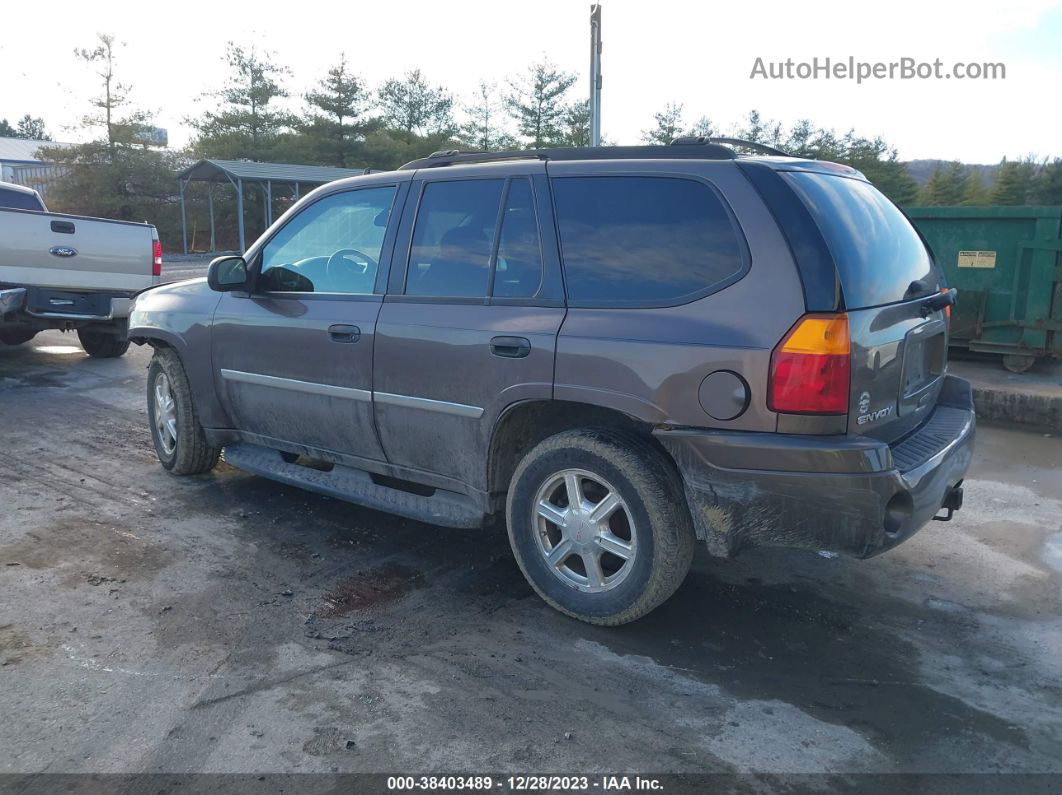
x=823 y=334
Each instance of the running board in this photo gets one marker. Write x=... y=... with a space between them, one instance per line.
x=445 y=508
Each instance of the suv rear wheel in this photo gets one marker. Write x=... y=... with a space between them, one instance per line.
x=179 y=439
x=102 y=345
x=599 y=526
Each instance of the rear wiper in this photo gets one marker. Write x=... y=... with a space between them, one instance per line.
x=916 y=288
x=937 y=302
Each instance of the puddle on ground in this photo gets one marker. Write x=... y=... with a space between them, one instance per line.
x=381 y=585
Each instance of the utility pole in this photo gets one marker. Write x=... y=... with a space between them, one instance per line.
x=595 y=74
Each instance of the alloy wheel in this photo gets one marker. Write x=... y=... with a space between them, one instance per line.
x=165 y=414
x=584 y=530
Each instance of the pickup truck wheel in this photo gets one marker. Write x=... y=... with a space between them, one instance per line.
x=101 y=345
x=15 y=336
x=179 y=439
x=599 y=525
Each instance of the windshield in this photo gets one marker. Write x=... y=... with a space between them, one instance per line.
x=878 y=253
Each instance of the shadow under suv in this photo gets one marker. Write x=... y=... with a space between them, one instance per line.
x=621 y=350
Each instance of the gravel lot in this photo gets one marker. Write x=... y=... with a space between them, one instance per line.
x=226 y=623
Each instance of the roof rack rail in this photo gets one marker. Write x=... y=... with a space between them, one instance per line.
x=703 y=140
x=704 y=150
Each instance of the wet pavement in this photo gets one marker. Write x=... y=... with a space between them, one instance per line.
x=227 y=623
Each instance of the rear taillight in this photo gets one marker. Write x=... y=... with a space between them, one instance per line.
x=156 y=258
x=811 y=367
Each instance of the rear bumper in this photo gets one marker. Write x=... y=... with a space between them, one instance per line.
x=11 y=300
x=43 y=306
x=853 y=496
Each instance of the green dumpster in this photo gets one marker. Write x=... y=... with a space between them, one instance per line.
x=1005 y=263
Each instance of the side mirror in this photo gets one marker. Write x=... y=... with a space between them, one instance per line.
x=227 y=273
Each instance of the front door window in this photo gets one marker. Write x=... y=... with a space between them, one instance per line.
x=332 y=246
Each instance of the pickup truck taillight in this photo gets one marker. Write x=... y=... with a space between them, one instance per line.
x=156 y=258
x=811 y=369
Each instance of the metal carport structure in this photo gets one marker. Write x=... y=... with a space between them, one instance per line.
x=241 y=172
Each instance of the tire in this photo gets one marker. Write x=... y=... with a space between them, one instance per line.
x=1018 y=363
x=188 y=453
x=16 y=336
x=102 y=345
x=652 y=526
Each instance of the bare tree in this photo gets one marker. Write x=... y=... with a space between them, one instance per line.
x=115 y=94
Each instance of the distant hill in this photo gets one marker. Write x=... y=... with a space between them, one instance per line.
x=922 y=170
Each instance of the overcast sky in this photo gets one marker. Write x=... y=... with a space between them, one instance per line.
x=697 y=53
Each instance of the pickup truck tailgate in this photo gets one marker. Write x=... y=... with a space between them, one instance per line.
x=71 y=252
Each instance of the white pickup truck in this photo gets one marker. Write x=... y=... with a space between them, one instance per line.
x=70 y=272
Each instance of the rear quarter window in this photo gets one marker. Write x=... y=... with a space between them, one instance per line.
x=18 y=200
x=879 y=255
x=640 y=241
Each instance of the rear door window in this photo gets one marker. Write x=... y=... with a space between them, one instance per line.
x=880 y=257
x=453 y=238
x=644 y=240
x=18 y=200
x=518 y=270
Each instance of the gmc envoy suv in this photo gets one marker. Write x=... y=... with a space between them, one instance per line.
x=622 y=350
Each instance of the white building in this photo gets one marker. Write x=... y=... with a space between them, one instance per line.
x=19 y=163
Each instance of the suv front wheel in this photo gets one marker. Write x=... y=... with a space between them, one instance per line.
x=599 y=526
x=179 y=439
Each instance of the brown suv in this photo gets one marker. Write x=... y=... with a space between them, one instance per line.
x=623 y=349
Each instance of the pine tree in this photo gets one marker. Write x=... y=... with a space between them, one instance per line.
x=974 y=193
x=576 y=124
x=29 y=127
x=32 y=128
x=483 y=129
x=415 y=107
x=880 y=164
x=702 y=127
x=800 y=138
x=1047 y=189
x=945 y=187
x=760 y=130
x=536 y=103
x=336 y=120
x=247 y=123
x=1014 y=182
x=668 y=125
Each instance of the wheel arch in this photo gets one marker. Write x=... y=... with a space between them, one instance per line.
x=198 y=369
x=523 y=425
x=156 y=338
